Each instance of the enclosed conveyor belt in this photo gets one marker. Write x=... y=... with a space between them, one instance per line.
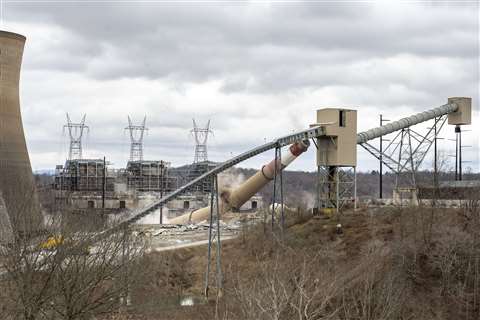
x=393 y=126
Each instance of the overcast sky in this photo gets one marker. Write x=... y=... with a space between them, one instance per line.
x=258 y=70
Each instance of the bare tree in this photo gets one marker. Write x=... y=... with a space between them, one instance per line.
x=27 y=279
x=374 y=288
x=288 y=284
x=67 y=275
x=94 y=282
x=266 y=295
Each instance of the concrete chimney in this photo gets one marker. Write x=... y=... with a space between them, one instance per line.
x=232 y=200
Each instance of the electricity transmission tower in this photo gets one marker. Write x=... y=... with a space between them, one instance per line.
x=136 y=139
x=75 y=131
x=201 y=137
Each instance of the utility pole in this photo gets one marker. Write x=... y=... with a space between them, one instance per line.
x=162 y=181
x=458 y=153
x=435 y=165
x=104 y=184
x=381 y=159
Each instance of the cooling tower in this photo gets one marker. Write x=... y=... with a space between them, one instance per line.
x=16 y=179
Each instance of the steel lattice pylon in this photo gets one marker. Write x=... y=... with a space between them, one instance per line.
x=75 y=131
x=406 y=152
x=201 y=138
x=136 y=139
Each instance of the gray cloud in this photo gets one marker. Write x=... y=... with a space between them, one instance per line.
x=257 y=69
x=204 y=41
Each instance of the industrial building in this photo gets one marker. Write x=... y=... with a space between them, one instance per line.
x=149 y=176
x=84 y=175
x=90 y=184
x=197 y=169
x=336 y=141
x=85 y=183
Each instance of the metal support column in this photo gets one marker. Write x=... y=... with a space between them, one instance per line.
x=355 y=188
x=104 y=182
x=318 y=188
x=274 y=196
x=411 y=153
x=400 y=150
x=317 y=195
x=381 y=165
x=459 y=153
x=212 y=235
x=457 y=129
x=281 y=191
x=125 y=299
x=337 y=190
x=162 y=182
x=435 y=162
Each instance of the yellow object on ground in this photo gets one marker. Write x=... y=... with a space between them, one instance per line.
x=52 y=242
x=328 y=212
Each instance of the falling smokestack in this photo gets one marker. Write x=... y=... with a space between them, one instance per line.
x=234 y=199
x=16 y=180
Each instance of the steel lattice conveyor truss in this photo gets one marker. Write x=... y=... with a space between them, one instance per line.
x=456 y=107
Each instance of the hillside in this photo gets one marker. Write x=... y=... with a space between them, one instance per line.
x=384 y=264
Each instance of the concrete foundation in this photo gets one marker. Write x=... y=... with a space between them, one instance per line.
x=405 y=196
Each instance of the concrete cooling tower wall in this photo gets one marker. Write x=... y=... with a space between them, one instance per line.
x=16 y=179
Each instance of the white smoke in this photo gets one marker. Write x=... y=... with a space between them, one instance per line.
x=154 y=217
x=230 y=179
x=308 y=199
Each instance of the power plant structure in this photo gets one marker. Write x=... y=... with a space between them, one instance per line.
x=17 y=187
x=336 y=140
x=80 y=178
x=145 y=176
x=146 y=186
x=91 y=184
